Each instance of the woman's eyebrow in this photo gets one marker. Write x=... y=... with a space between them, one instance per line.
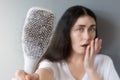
x=93 y=25
x=82 y=25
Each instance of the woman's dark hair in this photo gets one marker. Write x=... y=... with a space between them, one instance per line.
x=60 y=46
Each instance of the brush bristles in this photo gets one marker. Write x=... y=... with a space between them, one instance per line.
x=37 y=31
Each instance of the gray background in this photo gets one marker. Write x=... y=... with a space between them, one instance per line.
x=12 y=16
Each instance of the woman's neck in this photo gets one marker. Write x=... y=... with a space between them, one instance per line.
x=76 y=65
x=76 y=59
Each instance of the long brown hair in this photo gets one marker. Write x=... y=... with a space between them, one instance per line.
x=60 y=46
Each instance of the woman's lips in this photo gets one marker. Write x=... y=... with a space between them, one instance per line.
x=84 y=45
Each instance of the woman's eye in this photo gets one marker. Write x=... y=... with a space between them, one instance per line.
x=80 y=29
x=92 y=29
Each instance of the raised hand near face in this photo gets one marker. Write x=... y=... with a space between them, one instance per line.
x=92 y=49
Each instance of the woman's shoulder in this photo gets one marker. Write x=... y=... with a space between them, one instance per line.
x=46 y=63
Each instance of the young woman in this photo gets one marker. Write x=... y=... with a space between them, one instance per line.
x=74 y=51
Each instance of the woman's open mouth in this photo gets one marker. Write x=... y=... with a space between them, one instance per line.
x=84 y=45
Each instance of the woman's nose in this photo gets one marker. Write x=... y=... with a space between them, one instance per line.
x=86 y=36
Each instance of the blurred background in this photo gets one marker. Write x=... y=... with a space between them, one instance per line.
x=13 y=14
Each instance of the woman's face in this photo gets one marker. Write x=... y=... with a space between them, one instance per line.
x=81 y=34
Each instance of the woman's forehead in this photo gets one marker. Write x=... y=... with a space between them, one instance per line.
x=85 y=21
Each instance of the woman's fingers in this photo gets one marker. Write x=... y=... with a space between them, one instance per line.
x=87 y=55
x=98 y=44
x=92 y=48
x=20 y=75
x=34 y=76
x=86 y=58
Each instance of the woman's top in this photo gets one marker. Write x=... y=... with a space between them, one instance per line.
x=103 y=64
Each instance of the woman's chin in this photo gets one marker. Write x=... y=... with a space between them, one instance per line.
x=82 y=51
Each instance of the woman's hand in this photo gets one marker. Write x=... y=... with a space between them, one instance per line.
x=22 y=75
x=91 y=52
x=89 y=58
